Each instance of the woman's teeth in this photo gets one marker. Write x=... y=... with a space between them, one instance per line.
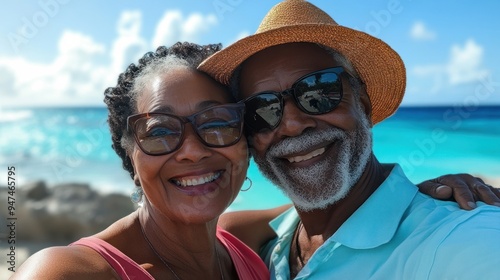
x=308 y=156
x=197 y=181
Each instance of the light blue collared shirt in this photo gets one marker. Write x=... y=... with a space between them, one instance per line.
x=398 y=233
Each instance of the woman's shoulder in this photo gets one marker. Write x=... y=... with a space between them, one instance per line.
x=77 y=262
x=65 y=262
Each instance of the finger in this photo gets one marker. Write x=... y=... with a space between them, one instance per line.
x=435 y=189
x=482 y=191
x=460 y=179
x=487 y=194
x=463 y=189
x=496 y=191
x=464 y=197
x=443 y=191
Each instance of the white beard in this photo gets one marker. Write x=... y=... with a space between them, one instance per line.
x=328 y=181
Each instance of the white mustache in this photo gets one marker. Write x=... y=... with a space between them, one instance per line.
x=304 y=142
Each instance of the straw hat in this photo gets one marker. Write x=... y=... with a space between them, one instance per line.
x=378 y=65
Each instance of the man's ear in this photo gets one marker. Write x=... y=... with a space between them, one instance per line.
x=365 y=102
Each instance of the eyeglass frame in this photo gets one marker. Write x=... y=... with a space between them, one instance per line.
x=132 y=119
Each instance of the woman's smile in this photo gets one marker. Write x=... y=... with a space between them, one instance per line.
x=192 y=181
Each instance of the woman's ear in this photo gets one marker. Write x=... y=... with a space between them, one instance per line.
x=137 y=181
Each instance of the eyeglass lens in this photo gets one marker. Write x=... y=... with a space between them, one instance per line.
x=219 y=126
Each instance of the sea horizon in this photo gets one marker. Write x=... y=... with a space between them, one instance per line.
x=61 y=145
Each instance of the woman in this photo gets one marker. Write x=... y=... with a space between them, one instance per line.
x=182 y=144
x=190 y=169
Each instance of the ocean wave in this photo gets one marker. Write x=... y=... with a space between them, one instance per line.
x=12 y=116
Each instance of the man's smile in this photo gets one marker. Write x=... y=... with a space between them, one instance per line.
x=308 y=156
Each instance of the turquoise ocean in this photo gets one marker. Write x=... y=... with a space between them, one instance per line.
x=61 y=145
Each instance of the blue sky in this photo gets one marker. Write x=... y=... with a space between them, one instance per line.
x=66 y=52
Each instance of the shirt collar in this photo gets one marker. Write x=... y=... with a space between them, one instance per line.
x=380 y=215
x=286 y=220
x=374 y=223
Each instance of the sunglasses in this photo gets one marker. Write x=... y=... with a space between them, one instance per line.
x=161 y=133
x=315 y=93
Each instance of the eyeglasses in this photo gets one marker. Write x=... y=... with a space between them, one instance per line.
x=161 y=133
x=315 y=94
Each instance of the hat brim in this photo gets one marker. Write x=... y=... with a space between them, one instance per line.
x=378 y=65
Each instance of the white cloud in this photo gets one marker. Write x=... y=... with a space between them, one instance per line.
x=7 y=80
x=72 y=72
x=69 y=78
x=129 y=46
x=420 y=32
x=465 y=65
x=174 y=27
x=84 y=68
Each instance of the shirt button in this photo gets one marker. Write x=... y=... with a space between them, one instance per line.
x=278 y=247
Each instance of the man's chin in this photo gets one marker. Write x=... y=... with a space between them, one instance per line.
x=311 y=204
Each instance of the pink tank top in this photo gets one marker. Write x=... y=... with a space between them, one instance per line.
x=247 y=263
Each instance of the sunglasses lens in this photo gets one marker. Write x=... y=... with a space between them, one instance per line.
x=158 y=134
x=264 y=111
x=319 y=93
x=220 y=126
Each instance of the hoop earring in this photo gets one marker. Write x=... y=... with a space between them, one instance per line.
x=136 y=196
x=249 y=180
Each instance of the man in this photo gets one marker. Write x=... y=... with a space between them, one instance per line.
x=313 y=90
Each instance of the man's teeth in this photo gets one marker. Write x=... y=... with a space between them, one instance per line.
x=197 y=181
x=308 y=156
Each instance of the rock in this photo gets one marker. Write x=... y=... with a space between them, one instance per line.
x=36 y=190
x=74 y=192
x=65 y=212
